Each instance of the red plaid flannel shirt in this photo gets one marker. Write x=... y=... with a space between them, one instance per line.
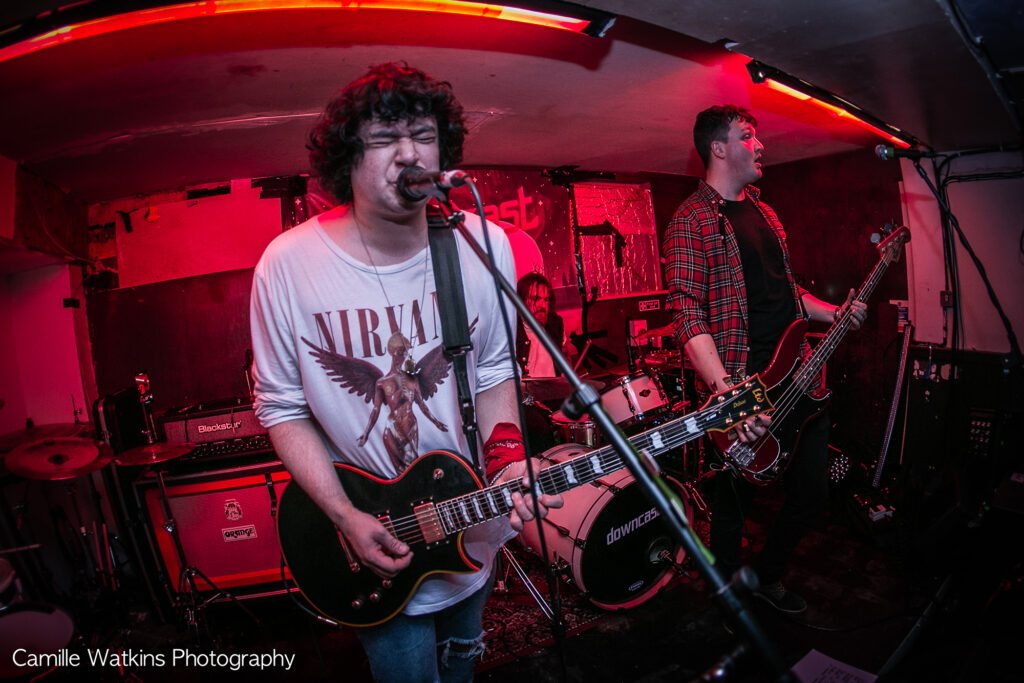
x=706 y=289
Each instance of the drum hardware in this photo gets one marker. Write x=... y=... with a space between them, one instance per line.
x=187 y=596
x=509 y=558
x=581 y=431
x=634 y=399
x=152 y=452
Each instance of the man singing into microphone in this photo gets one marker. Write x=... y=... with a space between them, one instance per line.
x=344 y=321
x=732 y=289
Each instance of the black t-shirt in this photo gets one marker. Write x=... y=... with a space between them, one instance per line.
x=770 y=305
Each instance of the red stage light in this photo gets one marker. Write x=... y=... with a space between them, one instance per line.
x=192 y=10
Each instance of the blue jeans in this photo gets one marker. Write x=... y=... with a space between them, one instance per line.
x=442 y=646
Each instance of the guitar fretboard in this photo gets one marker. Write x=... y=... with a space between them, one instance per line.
x=722 y=411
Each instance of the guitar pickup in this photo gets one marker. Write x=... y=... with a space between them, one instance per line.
x=429 y=523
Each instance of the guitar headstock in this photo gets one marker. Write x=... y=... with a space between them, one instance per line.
x=737 y=403
x=892 y=245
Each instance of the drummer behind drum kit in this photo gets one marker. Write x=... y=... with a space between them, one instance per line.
x=608 y=538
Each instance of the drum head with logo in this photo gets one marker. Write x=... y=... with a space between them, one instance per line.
x=620 y=564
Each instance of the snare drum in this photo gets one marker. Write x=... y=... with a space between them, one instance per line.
x=582 y=431
x=609 y=536
x=633 y=399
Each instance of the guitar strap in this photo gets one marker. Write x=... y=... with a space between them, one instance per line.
x=454 y=321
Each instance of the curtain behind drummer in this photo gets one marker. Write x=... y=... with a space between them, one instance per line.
x=535 y=290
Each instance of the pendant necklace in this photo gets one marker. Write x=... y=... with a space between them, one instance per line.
x=408 y=367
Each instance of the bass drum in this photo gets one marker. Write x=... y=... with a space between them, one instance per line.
x=610 y=537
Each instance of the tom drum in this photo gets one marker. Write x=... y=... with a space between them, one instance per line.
x=633 y=400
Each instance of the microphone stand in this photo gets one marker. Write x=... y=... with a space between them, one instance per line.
x=643 y=467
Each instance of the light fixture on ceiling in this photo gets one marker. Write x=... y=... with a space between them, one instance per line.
x=86 y=20
x=823 y=99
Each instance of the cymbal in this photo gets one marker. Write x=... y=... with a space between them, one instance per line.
x=553 y=388
x=64 y=457
x=12 y=440
x=153 y=453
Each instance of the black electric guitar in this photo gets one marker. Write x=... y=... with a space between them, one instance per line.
x=436 y=499
x=792 y=385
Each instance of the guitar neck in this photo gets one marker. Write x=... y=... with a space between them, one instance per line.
x=807 y=372
x=462 y=512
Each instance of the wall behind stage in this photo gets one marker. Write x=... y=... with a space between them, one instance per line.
x=988 y=202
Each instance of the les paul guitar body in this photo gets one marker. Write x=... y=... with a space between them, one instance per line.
x=331 y=579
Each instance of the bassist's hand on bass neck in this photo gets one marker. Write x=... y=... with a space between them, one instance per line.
x=858 y=310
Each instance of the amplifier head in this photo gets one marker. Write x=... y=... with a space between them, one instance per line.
x=204 y=423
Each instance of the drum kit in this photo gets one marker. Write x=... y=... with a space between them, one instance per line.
x=53 y=518
x=608 y=538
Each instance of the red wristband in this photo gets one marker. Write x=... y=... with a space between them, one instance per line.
x=504 y=447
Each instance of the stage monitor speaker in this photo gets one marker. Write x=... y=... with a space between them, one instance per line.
x=226 y=520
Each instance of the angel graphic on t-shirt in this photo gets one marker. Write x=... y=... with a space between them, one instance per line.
x=405 y=385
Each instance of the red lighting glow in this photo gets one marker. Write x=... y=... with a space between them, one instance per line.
x=838 y=112
x=130 y=20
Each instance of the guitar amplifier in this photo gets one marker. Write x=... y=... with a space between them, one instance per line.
x=225 y=520
x=211 y=421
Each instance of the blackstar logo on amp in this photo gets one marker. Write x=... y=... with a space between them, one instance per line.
x=211 y=421
x=203 y=429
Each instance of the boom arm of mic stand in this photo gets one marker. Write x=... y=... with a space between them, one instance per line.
x=586 y=400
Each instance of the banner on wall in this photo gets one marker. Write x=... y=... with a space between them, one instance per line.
x=524 y=200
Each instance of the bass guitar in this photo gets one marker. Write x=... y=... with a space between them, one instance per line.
x=436 y=499
x=791 y=384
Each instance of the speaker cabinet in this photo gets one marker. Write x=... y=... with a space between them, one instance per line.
x=225 y=520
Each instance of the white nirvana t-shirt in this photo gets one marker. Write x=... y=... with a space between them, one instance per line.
x=324 y=332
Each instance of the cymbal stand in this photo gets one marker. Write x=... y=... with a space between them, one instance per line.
x=191 y=605
x=508 y=558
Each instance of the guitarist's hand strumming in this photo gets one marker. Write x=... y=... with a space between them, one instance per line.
x=374 y=546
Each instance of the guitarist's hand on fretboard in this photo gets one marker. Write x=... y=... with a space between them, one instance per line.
x=523 y=505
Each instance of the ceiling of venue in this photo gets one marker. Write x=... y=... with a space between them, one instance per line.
x=139 y=107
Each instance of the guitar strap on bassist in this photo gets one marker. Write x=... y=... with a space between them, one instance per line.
x=454 y=322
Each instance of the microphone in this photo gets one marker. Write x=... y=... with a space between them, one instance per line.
x=886 y=152
x=416 y=183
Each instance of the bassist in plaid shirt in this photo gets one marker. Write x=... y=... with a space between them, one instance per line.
x=733 y=295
